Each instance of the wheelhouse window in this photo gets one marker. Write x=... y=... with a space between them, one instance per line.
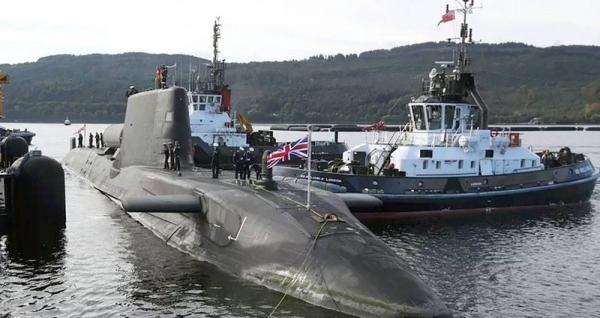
x=194 y=98
x=449 y=116
x=210 y=99
x=434 y=116
x=217 y=99
x=203 y=99
x=473 y=121
x=419 y=117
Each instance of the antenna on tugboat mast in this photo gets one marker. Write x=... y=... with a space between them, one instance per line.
x=466 y=34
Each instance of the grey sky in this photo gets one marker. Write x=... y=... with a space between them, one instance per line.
x=277 y=29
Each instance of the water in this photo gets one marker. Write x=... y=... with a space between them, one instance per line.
x=530 y=264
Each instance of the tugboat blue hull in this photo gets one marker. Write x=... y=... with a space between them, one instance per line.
x=400 y=197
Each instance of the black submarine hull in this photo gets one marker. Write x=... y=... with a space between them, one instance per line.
x=267 y=237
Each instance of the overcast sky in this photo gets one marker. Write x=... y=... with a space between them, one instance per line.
x=268 y=30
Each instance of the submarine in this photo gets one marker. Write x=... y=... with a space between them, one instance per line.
x=261 y=232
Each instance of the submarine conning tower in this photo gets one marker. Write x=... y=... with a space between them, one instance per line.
x=151 y=119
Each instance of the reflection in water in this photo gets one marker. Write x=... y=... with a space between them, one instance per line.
x=499 y=264
x=32 y=264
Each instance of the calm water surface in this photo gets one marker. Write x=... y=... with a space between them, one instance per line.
x=529 y=264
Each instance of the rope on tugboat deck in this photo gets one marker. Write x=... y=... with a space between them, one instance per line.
x=302 y=268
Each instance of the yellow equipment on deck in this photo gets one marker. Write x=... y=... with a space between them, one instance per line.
x=245 y=124
x=3 y=80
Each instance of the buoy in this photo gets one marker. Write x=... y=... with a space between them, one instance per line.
x=12 y=148
x=37 y=188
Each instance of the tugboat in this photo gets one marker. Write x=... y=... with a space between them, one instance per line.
x=212 y=122
x=447 y=159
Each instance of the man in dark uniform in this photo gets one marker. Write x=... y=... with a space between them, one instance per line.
x=216 y=157
x=248 y=161
x=91 y=143
x=80 y=139
x=238 y=163
x=176 y=149
x=165 y=152
x=131 y=91
x=102 y=140
x=97 y=140
x=172 y=155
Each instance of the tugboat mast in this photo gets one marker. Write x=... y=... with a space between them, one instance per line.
x=218 y=67
x=466 y=34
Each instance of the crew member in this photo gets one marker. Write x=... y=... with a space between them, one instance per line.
x=102 y=140
x=163 y=75
x=176 y=149
x=248 y=162
x=80 y=139
x=172 y=155
x=238 y=162
x=165 y=152
x=131 y=91
x=91 y=141
x=216 y=157
x=547 y=159
x=97 y=137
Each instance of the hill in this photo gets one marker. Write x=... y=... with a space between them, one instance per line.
x=518 y=82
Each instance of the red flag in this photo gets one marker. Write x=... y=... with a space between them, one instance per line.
x=377 y=126
x=79 y=130
x=449 y=16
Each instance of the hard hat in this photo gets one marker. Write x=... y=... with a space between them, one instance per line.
x=242 y=148
x=131 y=86
x=215 y=144
x=251 y=149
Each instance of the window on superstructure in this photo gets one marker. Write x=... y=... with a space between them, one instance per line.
x=195 y=106
x=203 y=99
x=217 y=99
x=419 y=117
x=473 y=120
x=438 y=164
x=434 y=116
x=210 y=99
x=449 y=116
x=457 y=116
x=202 y=107
x=460 y=164
x=194 y=99
x=472 y=164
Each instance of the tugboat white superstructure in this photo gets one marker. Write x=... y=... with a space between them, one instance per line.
x=212 y=122
x=447 y=158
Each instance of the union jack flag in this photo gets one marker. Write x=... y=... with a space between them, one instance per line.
x=297 y=149
x=79 y=130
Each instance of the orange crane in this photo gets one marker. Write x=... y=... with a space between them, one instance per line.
x=3 y=80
